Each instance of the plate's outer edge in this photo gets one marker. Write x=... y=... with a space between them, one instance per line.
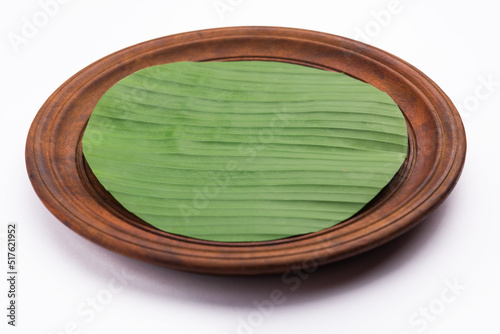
x=68 y=189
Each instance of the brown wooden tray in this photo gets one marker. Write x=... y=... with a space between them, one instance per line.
x=68 y=188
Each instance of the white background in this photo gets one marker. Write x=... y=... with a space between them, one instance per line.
x=401 y=287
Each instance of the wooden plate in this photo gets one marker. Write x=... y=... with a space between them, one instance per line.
x=71 y=192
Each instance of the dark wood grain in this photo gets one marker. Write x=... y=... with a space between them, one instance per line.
x=68 y=188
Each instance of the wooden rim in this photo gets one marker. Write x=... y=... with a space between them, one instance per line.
x=67 y=187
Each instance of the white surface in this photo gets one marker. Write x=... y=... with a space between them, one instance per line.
x=384 y=291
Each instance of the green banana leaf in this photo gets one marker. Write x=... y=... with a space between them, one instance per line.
x=244 y=150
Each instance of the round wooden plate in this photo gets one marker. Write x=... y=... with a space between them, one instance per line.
x=66 y=185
